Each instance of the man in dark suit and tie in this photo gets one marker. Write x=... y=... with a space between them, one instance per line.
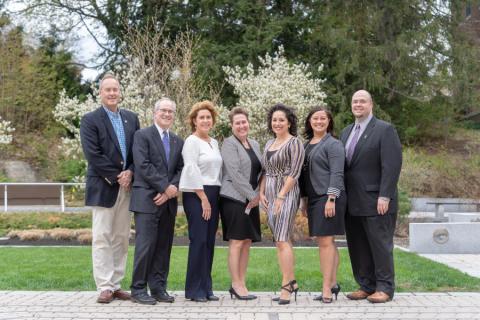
x=373 y=164
x=107 y=135
x=157 y=155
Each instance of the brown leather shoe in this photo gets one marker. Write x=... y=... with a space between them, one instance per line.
x=358 y=295
x=106 y=296
x=379 y=297
x=121 y=295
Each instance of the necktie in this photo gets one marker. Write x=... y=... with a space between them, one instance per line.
x=166 y=145
x=353 y=143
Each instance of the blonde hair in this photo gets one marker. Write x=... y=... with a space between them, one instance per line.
x=196 y=108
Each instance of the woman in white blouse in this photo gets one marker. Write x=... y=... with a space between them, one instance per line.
x=200 y=182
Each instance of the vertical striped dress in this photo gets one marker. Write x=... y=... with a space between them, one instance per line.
x=286 y=161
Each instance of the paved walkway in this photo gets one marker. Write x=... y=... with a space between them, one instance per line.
x=81 y=305
x=468 y=263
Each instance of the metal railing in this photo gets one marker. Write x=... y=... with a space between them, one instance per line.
x=61 y=184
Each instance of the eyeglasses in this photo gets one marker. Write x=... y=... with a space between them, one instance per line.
x=167 y=111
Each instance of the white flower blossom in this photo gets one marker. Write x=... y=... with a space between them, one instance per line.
x=274 y=81
x=137 y=95
x=6 y=131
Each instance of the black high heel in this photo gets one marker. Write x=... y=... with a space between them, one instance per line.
x=323 y=299
x=239 y=297
x=291 y=289
x=336 y=289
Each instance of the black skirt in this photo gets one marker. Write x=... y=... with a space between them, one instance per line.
x=318 y=224
x=236 y=224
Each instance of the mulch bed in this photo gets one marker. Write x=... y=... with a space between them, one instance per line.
x=177 y=241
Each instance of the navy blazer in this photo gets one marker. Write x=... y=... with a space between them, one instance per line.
x=153 y=173
x=374 y=169
x=102 y=151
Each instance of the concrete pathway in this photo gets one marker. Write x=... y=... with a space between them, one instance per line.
x=468 y=263
x=81 y=305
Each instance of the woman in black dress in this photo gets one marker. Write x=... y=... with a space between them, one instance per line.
x=239 y=199
x=323 y=191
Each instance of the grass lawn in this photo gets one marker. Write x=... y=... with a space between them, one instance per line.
x=50 y=268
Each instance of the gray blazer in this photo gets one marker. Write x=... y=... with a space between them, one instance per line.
x=237 y=169
x=374 y=169
x=325 y=165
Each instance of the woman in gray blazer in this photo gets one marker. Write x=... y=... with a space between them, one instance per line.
x=323 y=191
x=239 y=199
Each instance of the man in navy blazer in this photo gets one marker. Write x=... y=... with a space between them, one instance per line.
x=373 y=164
x=157 y=155
x=107 y=135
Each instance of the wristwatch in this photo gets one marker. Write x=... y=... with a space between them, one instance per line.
x=331 y=199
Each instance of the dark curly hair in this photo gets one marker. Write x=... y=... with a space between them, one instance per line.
x=308 y=132
x=290 y=114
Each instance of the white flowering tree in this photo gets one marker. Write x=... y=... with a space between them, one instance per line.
x=153 y=69
x=6 y=131
x=274 y=81
x=137 y=96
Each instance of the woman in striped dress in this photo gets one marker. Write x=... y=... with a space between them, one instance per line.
x=280 y=192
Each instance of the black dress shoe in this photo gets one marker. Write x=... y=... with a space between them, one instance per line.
x=199 y=299
x=143 y=298
x=163 y=297
x=213 y=298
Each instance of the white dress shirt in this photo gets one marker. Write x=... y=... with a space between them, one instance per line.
x=202 y=164
x=160 y=130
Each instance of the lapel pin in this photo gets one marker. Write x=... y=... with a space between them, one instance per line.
x=125 y=121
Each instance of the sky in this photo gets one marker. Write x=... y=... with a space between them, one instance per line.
x=80 y=43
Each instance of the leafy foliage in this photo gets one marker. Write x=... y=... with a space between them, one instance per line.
x=414 y=56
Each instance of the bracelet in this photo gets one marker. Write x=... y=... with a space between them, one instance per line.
x=280 y=197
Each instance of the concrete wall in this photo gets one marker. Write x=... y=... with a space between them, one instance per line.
x=449 y=237
x=463 y=217
x=420 y=204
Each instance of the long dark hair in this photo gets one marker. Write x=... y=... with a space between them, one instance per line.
x=289 y=113
x=308 y=132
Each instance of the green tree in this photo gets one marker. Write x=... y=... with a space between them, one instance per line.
x=31 y=78
x=406 y=53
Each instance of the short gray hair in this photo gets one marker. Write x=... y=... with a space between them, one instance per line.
x=106 y=76
x=162 y=100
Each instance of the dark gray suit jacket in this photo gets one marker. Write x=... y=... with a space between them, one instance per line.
x=153 y=174
x=102 y=151
x=326 y=164
x=374 y=169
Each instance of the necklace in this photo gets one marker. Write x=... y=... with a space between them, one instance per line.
x=316 y=139
x=278 y=143
x=207 y=139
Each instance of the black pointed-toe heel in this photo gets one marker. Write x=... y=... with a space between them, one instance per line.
x=234 y=293
x=335 y=290
x=323 y=299
x=291 y=289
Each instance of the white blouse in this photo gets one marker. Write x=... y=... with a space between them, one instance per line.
x=202 y=164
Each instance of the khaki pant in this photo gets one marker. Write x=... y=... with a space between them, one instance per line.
x=110 y=234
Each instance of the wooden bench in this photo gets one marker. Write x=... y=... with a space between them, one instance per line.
x=25 y=194
x=441 y=203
